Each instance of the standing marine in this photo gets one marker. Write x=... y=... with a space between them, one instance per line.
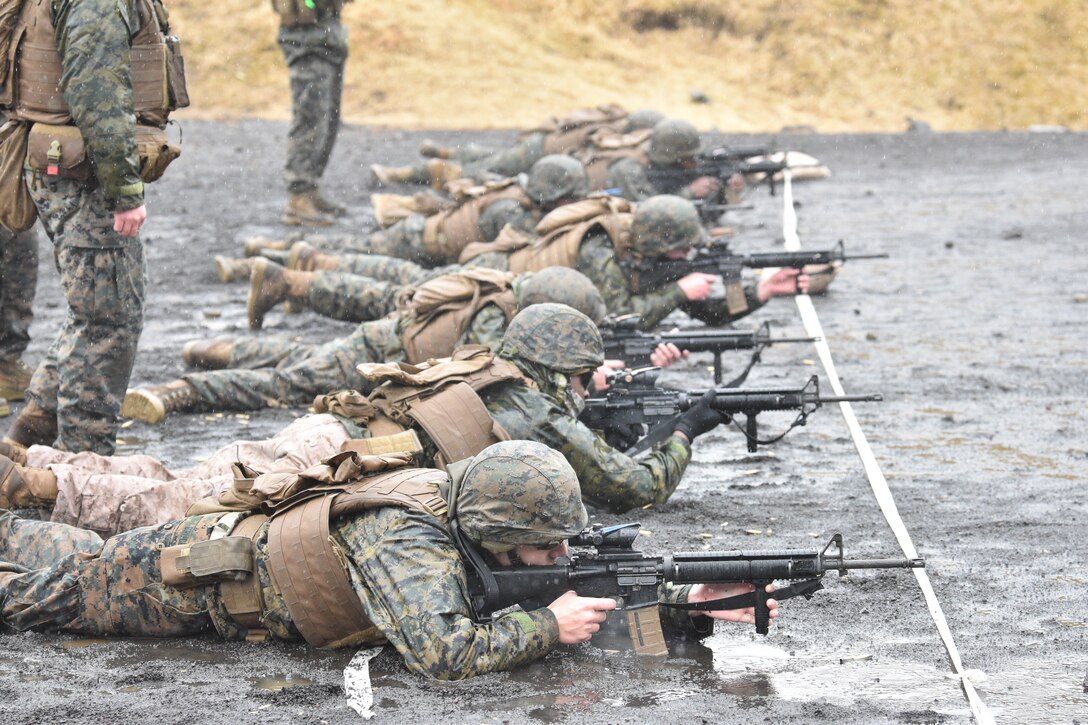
x=91 y=84
x=315 y=47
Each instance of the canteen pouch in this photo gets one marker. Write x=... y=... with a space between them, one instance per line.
x=229 y=558
x=17 y=210
x=156 y=152
x=58 y=151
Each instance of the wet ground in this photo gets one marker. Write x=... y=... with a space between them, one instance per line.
x=974 y=331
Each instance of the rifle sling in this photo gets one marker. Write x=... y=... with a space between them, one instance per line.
x=804 y=589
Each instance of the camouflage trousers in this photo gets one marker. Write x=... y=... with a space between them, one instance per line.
x=18 y=282
x=111 y=494
x=482 y=165
x=86 y=371
x=390 y=269
x=301 y=373
x=315 y=56
x=351 y=297
x=57 y=577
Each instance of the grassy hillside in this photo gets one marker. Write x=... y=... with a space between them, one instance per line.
x=836 y=65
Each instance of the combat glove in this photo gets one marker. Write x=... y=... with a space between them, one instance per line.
x=700 y=418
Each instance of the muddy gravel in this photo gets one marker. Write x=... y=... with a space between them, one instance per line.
x=974 y=331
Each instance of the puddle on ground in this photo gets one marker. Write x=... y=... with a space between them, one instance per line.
x=280 y=683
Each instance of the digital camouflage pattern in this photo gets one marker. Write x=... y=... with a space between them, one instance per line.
x=351 y=297
x=18 y=282
x=315 y=56
x=302 y=372
x=556 y=336
x=94 y=38
x=86 y=371
x=562 y=285
x=663 y=223
x=627 y=177
x=556 y=177
x=403 y=565
x=674 y=140
x=519 y=492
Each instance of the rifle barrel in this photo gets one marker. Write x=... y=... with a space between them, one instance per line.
x=884 y=564
x=874 y=398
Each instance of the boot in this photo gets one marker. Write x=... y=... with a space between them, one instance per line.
x=207 y=354
x=305 y=258
x=435 y=150
x=151 y=405
x=269 y=285
x=13 y=450
x=440 y=172
x=229 y=269
x=14 y=379
x=26 y=488
x=385 y=175
x=253 y=246
x=279 y=256
x=33 y=426
x=302 y=211
x=325 y=205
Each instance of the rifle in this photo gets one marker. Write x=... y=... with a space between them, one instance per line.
x=613 y=568
x=671 y=178
x=624 y=341
x=716 y=259
x=633 y=402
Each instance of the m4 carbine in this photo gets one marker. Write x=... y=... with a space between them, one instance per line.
x=613 y=568
x=650 y=274
x=670 y=179
x=624 y=341
x=633 y=402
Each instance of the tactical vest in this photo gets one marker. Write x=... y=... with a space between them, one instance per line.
x=306 y=565
x=446 y=233
x=441 y=397
x=562 y=232
x=442 y=309
x=571 y=133
x=32 y=88
x=605 y=149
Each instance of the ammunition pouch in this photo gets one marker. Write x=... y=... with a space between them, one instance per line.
x=229 y=558
x=156 y=152
x=58 y=151
x=17 y=210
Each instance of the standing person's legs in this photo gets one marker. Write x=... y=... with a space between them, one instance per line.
x=81 y=383
x=18 y=283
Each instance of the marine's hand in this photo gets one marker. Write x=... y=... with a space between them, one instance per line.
x=707 y=592
x=579 y=618
x=697 y=285
x=705 y=186
x=600 y=375
x=784 y=282
x=127 y=223
x=700 y=418
x=666 y=354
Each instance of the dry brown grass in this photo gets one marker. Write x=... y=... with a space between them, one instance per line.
x=836 y=65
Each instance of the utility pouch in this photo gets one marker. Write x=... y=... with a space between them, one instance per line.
x=156 y=152
x=404 y=442
x=229 y=558
x=175 y=74
x=58 y=151
x=17 y=210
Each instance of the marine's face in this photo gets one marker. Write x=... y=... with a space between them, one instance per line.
x=678 y=253
x=533 y=555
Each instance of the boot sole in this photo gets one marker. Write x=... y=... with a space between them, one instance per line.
x=5 y=409
x=254 y=247
x=223 y=270
x=140 y=406
x=294 y=220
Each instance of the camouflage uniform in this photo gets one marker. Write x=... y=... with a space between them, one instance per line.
x=18 y=281
x=315 y=56
x=85 y=373
x=401 y=562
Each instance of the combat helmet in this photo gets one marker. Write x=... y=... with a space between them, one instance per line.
x=672 y=141
x=564 y=286
x=643 y=118
x=519 y=493
x=665 y=222
x=555 y=177
x=554 y=336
